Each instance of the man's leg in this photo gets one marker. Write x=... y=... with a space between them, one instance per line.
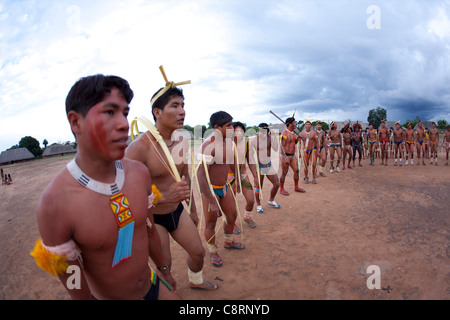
x=249 y=203
x=423 y=153
x=339 y=153
x=285 y=161
x=186 y=235
x=258 y=193
x=229 y=209
x=332 y=150
x=273 y=178
x=350 y=155
x=314 y=164
x=209 y=233
x=323 y=158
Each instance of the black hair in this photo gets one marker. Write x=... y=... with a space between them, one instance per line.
x=161 y=102
x=90 y=90
x=238 y=124
x=220 y=118
x=265 y=126
x=289 y=120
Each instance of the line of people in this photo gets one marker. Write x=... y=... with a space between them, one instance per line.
x=116 y=205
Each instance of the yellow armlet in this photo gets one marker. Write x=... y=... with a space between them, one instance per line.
x=47 y=261
x=156 y=193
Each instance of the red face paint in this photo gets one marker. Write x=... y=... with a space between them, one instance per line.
x=97 y=134
x=106 y=127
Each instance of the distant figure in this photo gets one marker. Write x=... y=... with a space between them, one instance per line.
x=446 y=142
x=9 y=179
x=434 y=142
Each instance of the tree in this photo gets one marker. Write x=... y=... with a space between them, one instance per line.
x=376 y=116
x=32 y=145
x=442 y=124
x=45 y=143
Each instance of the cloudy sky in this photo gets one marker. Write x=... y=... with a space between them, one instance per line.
x=323 y=59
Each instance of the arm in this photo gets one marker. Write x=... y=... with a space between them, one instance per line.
x=154 y=241
x=252 y=160
x=178 y=191
x=203 y=181
x=187 y=179
x=55 y=231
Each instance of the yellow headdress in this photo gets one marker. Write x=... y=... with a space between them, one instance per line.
x=169 y=84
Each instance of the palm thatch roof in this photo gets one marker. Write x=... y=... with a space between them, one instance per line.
x=13 y=155
x=58 y=150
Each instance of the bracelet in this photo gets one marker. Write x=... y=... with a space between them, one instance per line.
x=163 y=268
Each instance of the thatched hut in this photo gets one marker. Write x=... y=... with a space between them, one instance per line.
x=15 y=155
x=57 y=150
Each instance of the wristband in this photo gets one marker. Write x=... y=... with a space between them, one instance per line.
x=163 y=268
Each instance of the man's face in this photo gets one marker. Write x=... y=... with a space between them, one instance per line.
x=226 y=129
x=397 y=126
x=172 y=116
x=262 y=132
x=308 y=126
x=104 y=129
x=371 y=127
x=239 y=133
x=319 y=126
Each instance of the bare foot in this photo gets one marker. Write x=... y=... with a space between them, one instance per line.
x=204 y=286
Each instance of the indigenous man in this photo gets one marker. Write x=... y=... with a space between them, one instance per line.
x=434 y=142
x=420 y=137
x=288 y=159
x=446 y=141
x=372 y=139
x=427 y=143
x=335 y=146
x=322 y=152
x=357 y=143
x=243 y=159
x=383 y=138
x=347 y=139
x=260 y=151
x=217 y=160
x=170 y=215
x=409 y=138
x=95 y=213
x=399 y=140
x=366 y=144
x=311 y=143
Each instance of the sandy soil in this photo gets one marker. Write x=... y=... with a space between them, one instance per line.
x=317 y=246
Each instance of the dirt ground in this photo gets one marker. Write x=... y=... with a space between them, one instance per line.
x=317 y=246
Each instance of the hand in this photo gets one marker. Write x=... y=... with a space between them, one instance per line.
x=166 y=275
x=214 y=208
x=177 y=192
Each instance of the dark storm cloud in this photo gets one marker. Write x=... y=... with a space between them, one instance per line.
x=321 y=56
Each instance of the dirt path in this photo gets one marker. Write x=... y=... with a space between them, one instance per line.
x=317 y=246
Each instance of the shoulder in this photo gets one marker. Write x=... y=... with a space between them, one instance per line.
x=131 y=165
x=138 y=148
x=52 y=207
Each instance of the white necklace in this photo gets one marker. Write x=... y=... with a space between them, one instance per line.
x=97 y=186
